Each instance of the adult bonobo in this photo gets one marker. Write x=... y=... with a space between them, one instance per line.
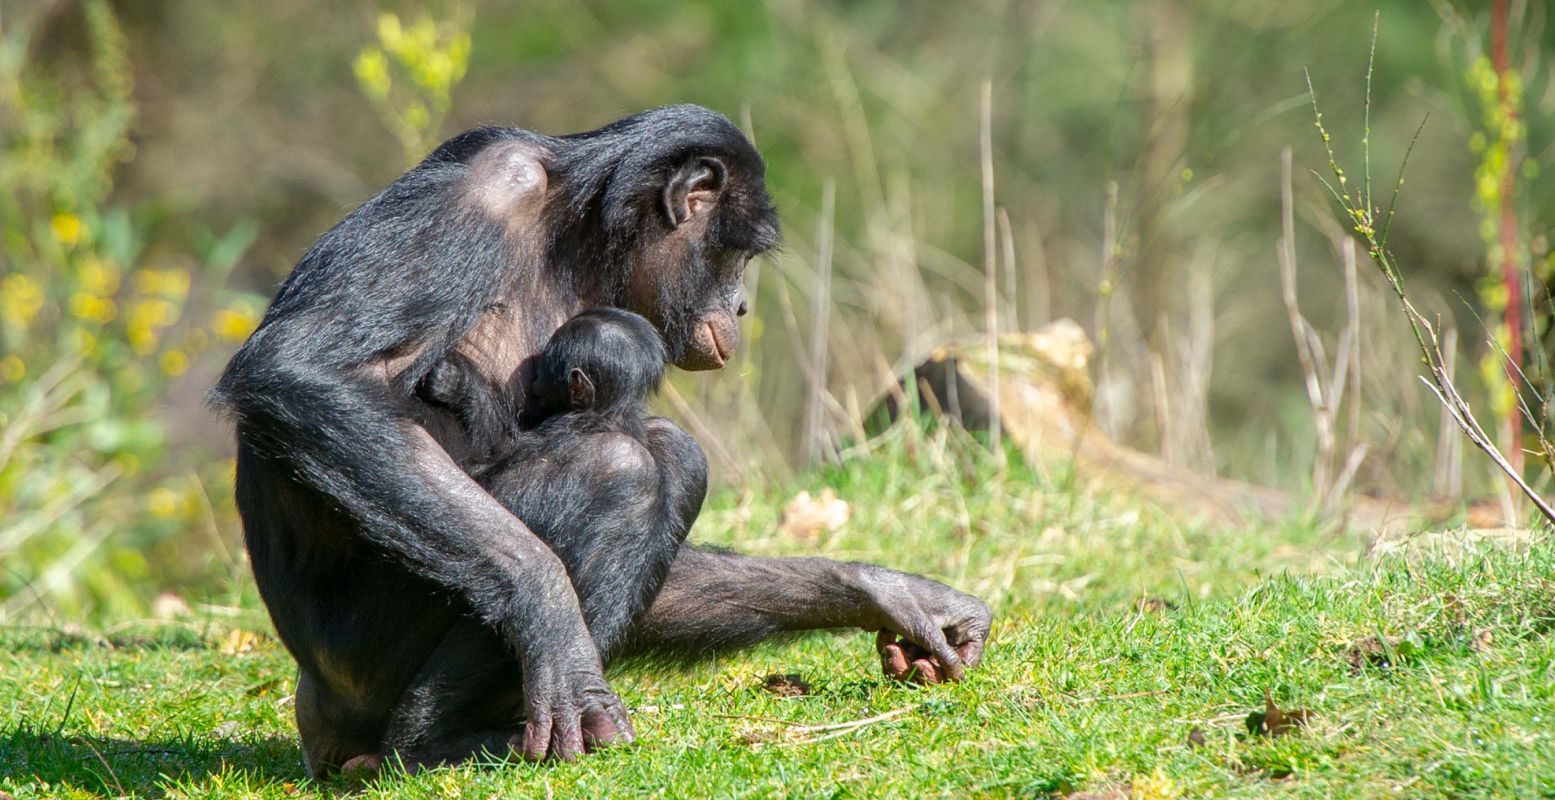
x=370 y=544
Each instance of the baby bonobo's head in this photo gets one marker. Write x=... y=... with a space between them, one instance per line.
x=604 y=359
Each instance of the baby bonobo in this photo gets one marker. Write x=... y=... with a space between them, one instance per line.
x=583 y=445
x=585 y=410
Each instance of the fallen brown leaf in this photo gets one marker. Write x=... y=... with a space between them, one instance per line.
x=1274 y=722
x=787 y=685
x=805 y=517
x=239 y=641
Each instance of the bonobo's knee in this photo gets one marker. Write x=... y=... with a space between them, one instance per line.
x=620 y=456
x=682 y=464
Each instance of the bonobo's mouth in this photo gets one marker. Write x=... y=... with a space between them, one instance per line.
x=712 y=345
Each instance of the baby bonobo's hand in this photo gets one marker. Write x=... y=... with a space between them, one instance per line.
x=929 y=632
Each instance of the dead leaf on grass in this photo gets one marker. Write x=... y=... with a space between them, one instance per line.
x=264 y=687
x=806 y=517
x=786 y=685
x=240 y=641
x=1380 y=652
x=1274 y=722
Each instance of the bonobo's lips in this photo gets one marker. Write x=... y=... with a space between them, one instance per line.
x=712 y=344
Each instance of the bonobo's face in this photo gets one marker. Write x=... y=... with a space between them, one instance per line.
x=691 y=282
x=708 y=336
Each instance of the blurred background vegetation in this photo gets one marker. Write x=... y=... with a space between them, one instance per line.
x=165 y=163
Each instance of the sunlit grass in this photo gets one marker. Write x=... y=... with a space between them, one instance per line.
x=1085 y=687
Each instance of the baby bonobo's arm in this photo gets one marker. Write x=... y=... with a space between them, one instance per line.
x=484 y=413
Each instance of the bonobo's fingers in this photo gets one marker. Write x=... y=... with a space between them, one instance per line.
x=926 y=670
x=948 y=626
x=570 y=708
x=968 y=645
x=537 y=737
x=362 y=768
x=893 y=659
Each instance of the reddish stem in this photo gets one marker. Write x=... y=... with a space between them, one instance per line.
x=1514 y=301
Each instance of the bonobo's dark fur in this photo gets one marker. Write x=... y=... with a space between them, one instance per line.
x=424 y=616
x=589 y=415
x=587 y=418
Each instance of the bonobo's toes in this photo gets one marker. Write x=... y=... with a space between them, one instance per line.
x=605 y=727
x=362 y=768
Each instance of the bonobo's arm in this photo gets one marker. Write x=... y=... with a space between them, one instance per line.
x=715 y=601
x=411 y=500
x=324 y=386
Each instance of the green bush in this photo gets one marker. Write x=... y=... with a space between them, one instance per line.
x=94 y=331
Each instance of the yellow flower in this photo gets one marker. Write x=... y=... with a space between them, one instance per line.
x=67 y=228
x=83 y=342
x=162 y=502
x=174 y=363
x=20 y=299
x=13 y=368
x=372 y=72
x=143 y=340
x=166 y=282
x=234 y=323
x=99 y=277
x=92 y=308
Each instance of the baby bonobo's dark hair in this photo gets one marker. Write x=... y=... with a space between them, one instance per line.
x=607 y=360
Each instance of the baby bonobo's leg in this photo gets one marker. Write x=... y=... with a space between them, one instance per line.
x=614 y=508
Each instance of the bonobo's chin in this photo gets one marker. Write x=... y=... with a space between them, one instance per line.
x=711 y=345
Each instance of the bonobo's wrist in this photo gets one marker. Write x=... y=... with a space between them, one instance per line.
x=866 y=586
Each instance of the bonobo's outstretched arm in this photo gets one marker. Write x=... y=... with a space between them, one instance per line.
x=715 y=601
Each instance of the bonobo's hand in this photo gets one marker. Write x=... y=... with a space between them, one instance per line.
x=942 y=630
x=569 y=707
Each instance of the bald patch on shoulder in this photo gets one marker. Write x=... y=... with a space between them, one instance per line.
x=507 y=181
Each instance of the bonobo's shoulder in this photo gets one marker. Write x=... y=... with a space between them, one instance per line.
x=507 y=174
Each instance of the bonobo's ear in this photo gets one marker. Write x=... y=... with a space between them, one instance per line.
x=580 y=389
x=692 y=188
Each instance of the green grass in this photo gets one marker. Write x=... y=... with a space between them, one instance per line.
x=1084 y=689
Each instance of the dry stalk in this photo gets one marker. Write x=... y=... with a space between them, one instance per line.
x=1364 y=219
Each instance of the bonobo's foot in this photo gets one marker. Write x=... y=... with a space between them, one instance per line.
x=361 y=769
x=941 y=630
x=570 y=709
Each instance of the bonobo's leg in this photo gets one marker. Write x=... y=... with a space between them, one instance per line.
x=715 y=601
x=464 y=701
x=615 y=511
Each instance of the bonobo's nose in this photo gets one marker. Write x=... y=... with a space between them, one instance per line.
x=744 y=307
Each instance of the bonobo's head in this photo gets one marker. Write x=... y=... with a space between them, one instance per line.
x=603 y=359
x=681 y=197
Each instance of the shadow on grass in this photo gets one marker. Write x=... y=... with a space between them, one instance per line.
x=117 y=767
